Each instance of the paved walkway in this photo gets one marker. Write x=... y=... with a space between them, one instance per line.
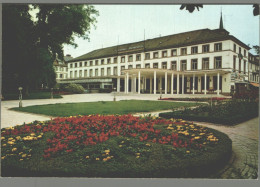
x=242 y=165
x=244 y=160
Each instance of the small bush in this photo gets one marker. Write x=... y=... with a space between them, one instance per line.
x=74 y=88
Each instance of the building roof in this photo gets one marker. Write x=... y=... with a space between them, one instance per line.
x=165 y=42
x=67 y=58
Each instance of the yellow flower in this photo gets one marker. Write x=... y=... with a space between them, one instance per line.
x=34 y=138
x=97 y=158
x=21 y=159
x=108 y=158
x=11 y=143
x=18 y=137
x=137 y=156
x=107 y=151
x=212 y=140
x=29 y=155
x=2 y=138
x=87 y=157
x=120 y=145
x=112 y=156
x=104 y=159
x=10 y=139
x=14 y=149
x=4 y=145
x=204 y=143
x=39 y=136
x=3 y=157
x=20 y=153
x=32 y=134
x=123 y=142
x=197 y=137
x=23 y=155
x=187 y=152
x=148 y=144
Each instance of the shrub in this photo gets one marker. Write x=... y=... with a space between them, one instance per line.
x=74 y=88
x=229 y=112
x=113 y=146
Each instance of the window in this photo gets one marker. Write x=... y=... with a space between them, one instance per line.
x=96 y=72
x=194 y=64
x=86 y=63
x=76 y=64
x=234 y=62
x=147 y=56
x=138 y=57
x=102 y=62
x=174 y=52
x=183 y=51
x=109 y=61
x=164 y=54
x=91 y=73
x=218 y=46
x=183 y=65
x=205 y=63
x=218 y=62
x=138 y=66
x=102 y=72
x=115 y=70
x=130 y=67
x=80 y=73
x=205 y=48
x=174 y=65
x=244 y=53
x=70 y=65
x=80 y=64
x=75 y=74
x=108 y=71
x=235 y=48
x=122 y=59
x=96 y=62
x=155 y=65
x=244 y=67
x=164 y=65
x=122 y=68
x=147 y=65
x=61 y=76
x=155 y=55
x=91 y=63
x=115 y=60
x=239 y=50
x=85 y=73
x=70 y=74
x=130 y=58
x=194 y=50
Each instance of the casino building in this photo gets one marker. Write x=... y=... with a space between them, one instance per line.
x=196 y=62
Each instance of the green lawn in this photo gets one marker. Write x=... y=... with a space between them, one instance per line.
x=102 y=107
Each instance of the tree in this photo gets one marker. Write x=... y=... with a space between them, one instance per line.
x=257 y=49
x=30 y=47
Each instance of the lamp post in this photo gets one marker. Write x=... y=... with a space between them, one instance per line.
x=161 y=93
x=114 y=94
x=20 y=97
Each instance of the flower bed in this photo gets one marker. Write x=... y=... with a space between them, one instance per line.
x=113 y=146
x=195 y=99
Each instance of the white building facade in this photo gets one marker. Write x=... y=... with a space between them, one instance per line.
x=197 y=62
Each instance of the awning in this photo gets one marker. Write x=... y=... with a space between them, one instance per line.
x=254 y=84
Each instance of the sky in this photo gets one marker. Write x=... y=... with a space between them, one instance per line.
x=120 y=24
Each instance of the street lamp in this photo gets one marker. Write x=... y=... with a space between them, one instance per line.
x=20 y=97
x=114 y=94
x=161 y=93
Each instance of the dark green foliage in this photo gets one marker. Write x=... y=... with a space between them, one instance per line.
x=191 y=7
x=30 y=47
x=32 y=95
x=74 y=88
x=229 y=113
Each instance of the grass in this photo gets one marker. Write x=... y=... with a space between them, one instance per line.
x=32 y=95
x=103 y=107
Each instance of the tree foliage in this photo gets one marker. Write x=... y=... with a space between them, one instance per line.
x=30 y=44
x=257 y=49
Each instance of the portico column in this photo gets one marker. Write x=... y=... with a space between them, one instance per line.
x=218 y=85
x=154 y=82
x=118 y=84
x=182 y=84
x=160 y=86
x=139 y=78
x=178 y=83
x=172 y=82
x=134 y=85
x=193 y=80
x=205 y=84
x=165 y=83
x=127 y=82
x=151 y=84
